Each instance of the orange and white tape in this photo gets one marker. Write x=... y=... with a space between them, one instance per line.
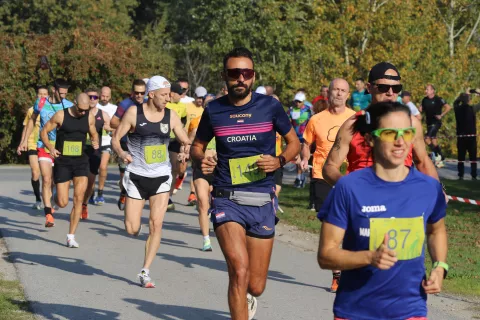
x=464 y=200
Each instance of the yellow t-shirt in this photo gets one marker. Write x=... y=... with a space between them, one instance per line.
x=278 y=144
x=192 y=112
x=212 y=145
x=33 y=138
x=181 y=109
x=322 y=129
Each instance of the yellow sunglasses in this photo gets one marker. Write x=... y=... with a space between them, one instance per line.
x=393 y=134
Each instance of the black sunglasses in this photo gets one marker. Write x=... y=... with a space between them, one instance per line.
x=235 y=73
x=184 y=89
x=81 y=111
x=142 y=93
x=92 y=97
x=384 y=88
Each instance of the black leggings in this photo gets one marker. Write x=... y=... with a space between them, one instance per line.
x=463 y=145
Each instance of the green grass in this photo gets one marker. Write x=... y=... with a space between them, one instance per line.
x=463 y=228
x=13 y=305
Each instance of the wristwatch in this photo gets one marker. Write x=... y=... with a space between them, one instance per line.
x=441 y=265
x=282 y=161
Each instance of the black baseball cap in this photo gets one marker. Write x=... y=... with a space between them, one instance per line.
x=61 y=83
x=176 y=88
x=378 y=72
x=406 y=94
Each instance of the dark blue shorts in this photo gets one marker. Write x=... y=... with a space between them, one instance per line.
x=258 y=222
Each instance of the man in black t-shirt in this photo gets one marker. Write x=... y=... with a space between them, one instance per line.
x=466 y=119
x=432 y=106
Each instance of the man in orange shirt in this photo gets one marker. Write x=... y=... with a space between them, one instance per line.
x=322 y=130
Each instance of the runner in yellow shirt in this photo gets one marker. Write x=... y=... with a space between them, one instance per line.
x=42 y=92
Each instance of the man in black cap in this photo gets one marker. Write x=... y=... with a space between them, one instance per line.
x=384 y=85
x=407 y=100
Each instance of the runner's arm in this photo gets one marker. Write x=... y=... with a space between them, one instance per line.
x=28 y=129
x=292 y=148
x=181 y=135
x=127 y=124
x=447 y=108
x=52 y=124
x=420 y=156
x=337 y=155
x=114 y=122
x=437 y=241
x=331 y=257
x=106 y=125
x=93 y=131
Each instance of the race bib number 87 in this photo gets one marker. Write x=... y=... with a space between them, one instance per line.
x=406 y=236
x=245 y=170
x=155 y=154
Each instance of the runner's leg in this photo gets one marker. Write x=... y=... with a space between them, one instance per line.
x=158 y=207
x=35 y=167
x=47 y=174
x=79 y=188
x=259 y=254
x=102 y=177
x=203 y=198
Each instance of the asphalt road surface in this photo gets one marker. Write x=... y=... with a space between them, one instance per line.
x=98 y=280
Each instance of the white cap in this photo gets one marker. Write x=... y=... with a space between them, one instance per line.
x=300 y=96
x=261 y=90
x=157 y=82
x=201 y=92
x=145 y=80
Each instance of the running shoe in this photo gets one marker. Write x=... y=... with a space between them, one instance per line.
x=38 y=205
x=121 y=202
x=440 y=164
x=71 y=243
x=84 y=212
x=207 y=245
x=296 y=184
x=192 y=199
x=303 y=181
x=438 y=159
x=252 y=306
x=145 y=280
x=311 y=207
x=334 y=286
x=91 y=200
x=179 y=182
x=49 y=221
x=171 y=205
x=99 y=201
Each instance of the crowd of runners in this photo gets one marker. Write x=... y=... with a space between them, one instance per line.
x=237 y=142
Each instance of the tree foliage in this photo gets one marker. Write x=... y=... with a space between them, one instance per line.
x=295 y=44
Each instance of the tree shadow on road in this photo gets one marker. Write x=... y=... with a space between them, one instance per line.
x=73 y=265
x=54 y=311
x=13 y=205
x=171 y=312
x=20 y=234
x=221 y=265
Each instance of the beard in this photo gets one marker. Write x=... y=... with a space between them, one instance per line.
x=237 y=94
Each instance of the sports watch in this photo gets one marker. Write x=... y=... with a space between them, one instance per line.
x=282 y=161
x=441 y=265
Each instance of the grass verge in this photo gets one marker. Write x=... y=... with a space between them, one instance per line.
x=463 y=225
x=13 y=305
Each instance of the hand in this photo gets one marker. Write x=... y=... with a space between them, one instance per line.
x=182 y=157
x=438 y=116
x=126 y=157
x=208 y=165
x=21 y=147
x=55 y=153
x=304 y=164
x=434 y=282
x=384 y=258
x=95 y=144
x=267 y=163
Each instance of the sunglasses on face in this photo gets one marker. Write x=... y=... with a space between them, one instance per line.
x=392 y=135
x=184 y=89
x=80 y=111
x=297 y=101
x=139 y=93
x=384 y=88
x=235 y=73
x=92 y=97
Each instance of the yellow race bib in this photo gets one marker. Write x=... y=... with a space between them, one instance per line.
x=72 y=148
x=155 y=154
x=406 y=236
x=245 y=170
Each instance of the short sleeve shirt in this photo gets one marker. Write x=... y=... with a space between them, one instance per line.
x=33 y=138
x=181 y=109
x=192 y=112
x=360 y=100
x=432 y=107
x=46 y=110
x=355 y=200
x=299 y=118
x=322 y=130
x=243 y=131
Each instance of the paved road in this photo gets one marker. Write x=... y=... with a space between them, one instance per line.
x=98 y=280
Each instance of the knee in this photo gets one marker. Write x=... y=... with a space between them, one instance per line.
x=131 y=228
x=103 y=168
x=256 y=289
x=239 y=275
x=155 y=225
x=62 y=203
x=47 y=181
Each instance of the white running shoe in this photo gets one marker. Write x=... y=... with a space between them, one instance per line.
x=71 y=243
x=38 y=205
x=145 y=280
x=252 y=306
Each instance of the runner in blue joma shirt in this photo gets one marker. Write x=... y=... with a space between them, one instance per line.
x=244 y=125
x=382 y=215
